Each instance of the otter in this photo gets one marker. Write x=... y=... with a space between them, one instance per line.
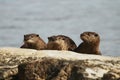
x=90 y=44
x=61 y=42
x=33 y=41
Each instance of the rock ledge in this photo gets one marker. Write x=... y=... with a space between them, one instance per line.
x=28 y=64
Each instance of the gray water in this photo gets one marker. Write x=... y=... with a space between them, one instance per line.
x=67 y=17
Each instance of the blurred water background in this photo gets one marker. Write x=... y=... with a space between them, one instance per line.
x=67 y=17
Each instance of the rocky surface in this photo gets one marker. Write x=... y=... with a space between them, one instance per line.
x=55 y=69
x=28 y=64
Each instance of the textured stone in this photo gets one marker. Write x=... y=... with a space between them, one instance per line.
x=58 y=65
x=55 y=69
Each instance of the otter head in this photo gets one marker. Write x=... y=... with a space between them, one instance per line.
x=90 y=37
x=55 y=43
x=31 y=38
x=62 y=42
x=57 y=39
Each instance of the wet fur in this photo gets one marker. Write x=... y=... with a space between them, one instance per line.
x=33 y=41
x=90 y=44
x=60 y=42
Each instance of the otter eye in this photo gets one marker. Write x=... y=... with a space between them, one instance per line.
x=63 y=38
x=31 y=36
x=59 y=38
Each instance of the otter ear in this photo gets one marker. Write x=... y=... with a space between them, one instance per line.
x=37 y=35
x=48 y=38
x=96 y=35
x=24 y=36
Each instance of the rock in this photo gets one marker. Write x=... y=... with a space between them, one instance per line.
x=111 y=76
x=55 y=69
x=29 y=64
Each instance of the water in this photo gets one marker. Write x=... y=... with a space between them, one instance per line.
x=68 y=17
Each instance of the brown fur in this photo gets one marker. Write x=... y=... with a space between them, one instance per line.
x=33 y=41
x=90 y=44
x=60 y=42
